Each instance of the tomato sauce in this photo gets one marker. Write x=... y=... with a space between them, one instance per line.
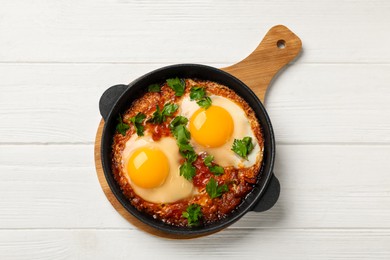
x=239 y=181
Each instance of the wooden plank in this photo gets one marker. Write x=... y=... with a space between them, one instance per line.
x=307 y=103
x=323 y=186
x=229 y=244
x=278 y=48
x=188 y=31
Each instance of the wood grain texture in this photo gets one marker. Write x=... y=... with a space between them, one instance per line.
x=196 y=31
x=308 y=103
x=323 y=186
x=330 y=113
x=229 y=244
x=257 y=70
x=279 y=47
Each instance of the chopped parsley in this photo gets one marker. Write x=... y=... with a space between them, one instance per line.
x=160 y=116
x=178 y=85
x=204 y=102
x=191 y=156
x=193 y=214
x=137 y=121
x=199 y=94
x=187 y=170
x=215 y=169
x=214 y=190
x=122 y=127
x=242 y=147
x=154 y=88
x=207 y=160
x=182 y=136
x=179 y=120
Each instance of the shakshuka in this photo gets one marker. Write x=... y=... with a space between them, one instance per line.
x=187 y=152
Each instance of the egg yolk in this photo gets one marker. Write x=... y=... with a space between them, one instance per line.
x=148 y=167
x=211 y=127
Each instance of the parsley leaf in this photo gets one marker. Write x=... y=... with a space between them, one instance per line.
x=154 y=88
x=184 y=148
x=182 y=135
x=193 y=214
x=160 y=116
x=169 y=109
x=178 y=85
x=191 y=156
x=137 y=121
x=187 y=170
x=207 y=160
x=199 y=94
x=138 y=118
x=215 y=169
x=188 y=152
x=214 y=190
x=122 y=127
x=204 y=102
x=243 y=147
x=179 y=120
x=157 y=117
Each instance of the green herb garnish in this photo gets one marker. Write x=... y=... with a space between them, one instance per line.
x=187 y=170
x=242 y=147
x=185 y=148
x=137 y=121
x=214 y=190
x=191 y=156
x=178 y=85
x=193 y=214
x=169 y=109
x=179 y=120
x=154 y=88
x=199 y=94
x=122 y=127
x=160 y=116
x=205 y=102
x=215 y=169
x=207 y=160
x=182 y=136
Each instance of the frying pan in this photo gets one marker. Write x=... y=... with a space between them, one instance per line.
x=278 y=47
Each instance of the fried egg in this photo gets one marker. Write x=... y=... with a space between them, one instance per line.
x=213 y=130
x=152 y=169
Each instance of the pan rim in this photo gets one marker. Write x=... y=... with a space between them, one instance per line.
x=230 y=219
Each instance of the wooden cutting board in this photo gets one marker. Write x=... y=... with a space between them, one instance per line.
x=278 y=47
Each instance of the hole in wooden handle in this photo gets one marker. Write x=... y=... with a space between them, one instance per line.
x=281 y=44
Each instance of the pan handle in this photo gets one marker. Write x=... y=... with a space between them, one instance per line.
x=271 y=195
x=278 y=47
x=109 y=98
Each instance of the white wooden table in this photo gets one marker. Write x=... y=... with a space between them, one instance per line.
x=330 y=111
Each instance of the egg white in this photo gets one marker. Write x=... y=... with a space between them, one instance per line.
x=223 y=155
x=175 y=186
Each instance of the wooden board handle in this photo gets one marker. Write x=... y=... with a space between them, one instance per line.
x=278 y=47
